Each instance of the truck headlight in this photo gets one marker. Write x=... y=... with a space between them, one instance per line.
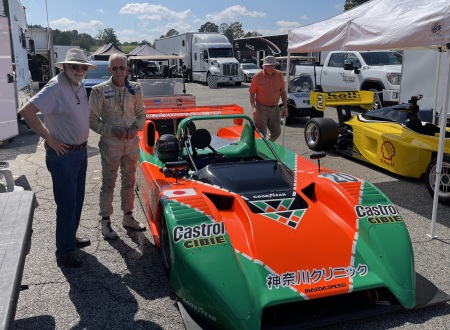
x=394 y=78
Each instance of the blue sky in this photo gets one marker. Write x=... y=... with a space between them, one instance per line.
x=137 y=21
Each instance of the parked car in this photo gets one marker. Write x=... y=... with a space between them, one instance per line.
x=97 y=75
x=396 y=138
x=250 y=69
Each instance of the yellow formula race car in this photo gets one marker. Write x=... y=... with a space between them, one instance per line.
x=393 y=138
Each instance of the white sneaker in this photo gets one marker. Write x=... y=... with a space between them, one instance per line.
x=130 y=222
x=107 y=231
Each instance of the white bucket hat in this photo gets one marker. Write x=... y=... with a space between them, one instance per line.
x=270 y=60
x=75 y=56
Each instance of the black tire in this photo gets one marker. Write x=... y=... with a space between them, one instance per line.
x=321 y=133
x=238 y=83
x=212 y=81
x=245 y=78
x=316 y=113
x=444 y=186
x=165 y=243
x=377 y=99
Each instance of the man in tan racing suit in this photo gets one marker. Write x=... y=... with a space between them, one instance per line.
x=117 y=113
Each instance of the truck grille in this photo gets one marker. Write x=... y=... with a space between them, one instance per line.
x=230 y=69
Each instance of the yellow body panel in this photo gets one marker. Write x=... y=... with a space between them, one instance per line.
x=394 y=147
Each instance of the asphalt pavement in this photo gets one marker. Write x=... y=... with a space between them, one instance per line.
x=123 y=285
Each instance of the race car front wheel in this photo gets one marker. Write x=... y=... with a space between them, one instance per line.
x=165 y=243
x=444 y=183
x=321 y=133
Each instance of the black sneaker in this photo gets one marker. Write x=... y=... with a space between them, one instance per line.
x=82 y=242
x=69 y=260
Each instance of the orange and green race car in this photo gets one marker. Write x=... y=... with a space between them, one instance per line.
x=393 y=138
x=254 y=236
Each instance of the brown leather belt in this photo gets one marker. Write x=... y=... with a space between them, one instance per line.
x=268 y=106
x=70 y=146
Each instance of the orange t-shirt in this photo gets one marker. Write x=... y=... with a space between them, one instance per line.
x=267 y=88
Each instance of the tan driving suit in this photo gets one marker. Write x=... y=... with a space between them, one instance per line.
x=113 y=106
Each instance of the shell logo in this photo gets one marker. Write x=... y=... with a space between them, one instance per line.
x=388 y=150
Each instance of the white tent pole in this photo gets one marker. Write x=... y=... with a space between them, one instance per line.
x=436 y=87
x=288 y=65
x=443 y=121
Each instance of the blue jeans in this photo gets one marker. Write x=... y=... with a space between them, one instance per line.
x=69 y=180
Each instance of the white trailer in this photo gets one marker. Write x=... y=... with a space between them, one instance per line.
x=15 y=83
x=423 y=73
x=41 y=55
x=207 y=57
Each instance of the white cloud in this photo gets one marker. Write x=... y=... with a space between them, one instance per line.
x=146 y=11
x=65 y=24
x=232 y=13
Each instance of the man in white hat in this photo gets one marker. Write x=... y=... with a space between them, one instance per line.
x=64 y=104
x=265 y=91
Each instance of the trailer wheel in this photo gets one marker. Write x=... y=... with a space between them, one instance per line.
x=444 y=184
x=212 y=81
x=321 y=133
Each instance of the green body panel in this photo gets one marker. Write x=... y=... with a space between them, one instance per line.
x=386 y=247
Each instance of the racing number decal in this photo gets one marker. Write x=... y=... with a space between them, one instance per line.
x=320 y=102
x=339 y=177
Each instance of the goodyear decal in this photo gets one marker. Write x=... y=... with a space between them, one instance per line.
x=199 y=231
x=311 y=277
x=269 y=195
x=199 y=310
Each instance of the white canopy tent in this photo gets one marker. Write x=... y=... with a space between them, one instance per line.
x=385 y=24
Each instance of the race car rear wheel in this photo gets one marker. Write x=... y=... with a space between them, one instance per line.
x=165 y=243
x=321 y=133
x=444 y=184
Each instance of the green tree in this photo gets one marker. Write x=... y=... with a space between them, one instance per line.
x=234 y=31
x=85 y=41
x=209 y=27
x=222 y=28
x=171 y=33
x=107 y=36
x=63 y=39
x=251 y=34
x=144 y=42
x=349 y=4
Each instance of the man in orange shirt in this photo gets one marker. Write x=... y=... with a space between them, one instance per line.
x=265 y=91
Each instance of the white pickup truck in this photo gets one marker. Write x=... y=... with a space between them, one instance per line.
x=378 y=71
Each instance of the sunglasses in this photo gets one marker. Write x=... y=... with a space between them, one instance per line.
x=121 y=68
x=75 y=67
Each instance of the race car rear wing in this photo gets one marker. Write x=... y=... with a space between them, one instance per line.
x=320 y=100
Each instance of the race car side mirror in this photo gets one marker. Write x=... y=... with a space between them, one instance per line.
x=318 y=155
